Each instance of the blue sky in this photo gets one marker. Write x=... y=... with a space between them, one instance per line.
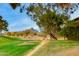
x=20 y=21
x=17 y=21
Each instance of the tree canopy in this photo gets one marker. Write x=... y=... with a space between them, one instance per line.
x=3 y=24
x=52 y=17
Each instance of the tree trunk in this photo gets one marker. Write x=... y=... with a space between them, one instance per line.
x=0 y=32
x=52 y=36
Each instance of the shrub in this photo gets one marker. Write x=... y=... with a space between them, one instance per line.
x=71 y=33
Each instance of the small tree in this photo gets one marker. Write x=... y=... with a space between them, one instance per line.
x=3 y=25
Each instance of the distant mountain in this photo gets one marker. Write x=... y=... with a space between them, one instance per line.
x=24 y=32
x=31 y=30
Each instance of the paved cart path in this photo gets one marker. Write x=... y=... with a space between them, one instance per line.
x=37 y=48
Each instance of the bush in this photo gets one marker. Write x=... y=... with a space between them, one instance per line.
x=72 y=33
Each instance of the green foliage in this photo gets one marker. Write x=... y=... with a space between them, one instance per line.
x=46 y=18
x=3 y=24
x=14 y=5
x=51 y=21
x=72 y=33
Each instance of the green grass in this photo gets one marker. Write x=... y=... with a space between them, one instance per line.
x=12 y=46
x=53 y=47
x=9 y=46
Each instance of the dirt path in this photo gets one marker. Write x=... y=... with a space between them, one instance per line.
x=70 y=52
x=37 y=48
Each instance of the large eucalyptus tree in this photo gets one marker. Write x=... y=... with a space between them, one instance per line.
x=49 y=16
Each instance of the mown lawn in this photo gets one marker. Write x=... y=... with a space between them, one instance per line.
x=53 y=47
x=10 y=46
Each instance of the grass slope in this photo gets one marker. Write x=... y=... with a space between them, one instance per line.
x=53 y=47
x=10 y=46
